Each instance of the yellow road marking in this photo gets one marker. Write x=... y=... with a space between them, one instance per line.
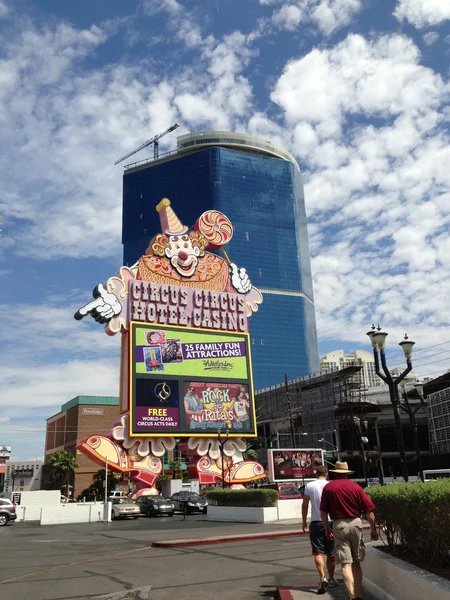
x=73 y=564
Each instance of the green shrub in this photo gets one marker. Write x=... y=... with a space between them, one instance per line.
x=416 y=516
x=221 y=497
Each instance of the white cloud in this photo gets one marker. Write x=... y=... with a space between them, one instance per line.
x=327 y=15
x=54 y=330
x=72 y=123
x=367 y=121
x=152 y=7
x=422 y=13
x=3 y=9
x=51 y=385
x=356 y=77
x=288 y=17
x=431 y=38
x=331 y=15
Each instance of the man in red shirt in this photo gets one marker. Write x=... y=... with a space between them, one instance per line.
x=345 y=501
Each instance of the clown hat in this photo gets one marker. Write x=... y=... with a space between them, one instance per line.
x=170 y=223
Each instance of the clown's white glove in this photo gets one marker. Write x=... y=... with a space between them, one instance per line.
x=105 y=306
x=240 y=279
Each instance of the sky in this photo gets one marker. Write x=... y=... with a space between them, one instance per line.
x=357 y=90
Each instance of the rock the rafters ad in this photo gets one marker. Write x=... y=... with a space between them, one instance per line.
x=182 y=310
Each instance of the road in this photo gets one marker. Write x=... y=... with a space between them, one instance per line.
x=116 y=561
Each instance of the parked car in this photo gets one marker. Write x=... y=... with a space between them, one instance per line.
x=116 y=494
x=124 y=507
x=194 y=503
x=152 y=506
x=7 y=511
x=286 y=491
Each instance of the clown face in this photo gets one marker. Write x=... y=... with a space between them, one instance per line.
x=183 y=255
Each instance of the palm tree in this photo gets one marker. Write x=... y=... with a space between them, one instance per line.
x=249 y=453
x=62 y=466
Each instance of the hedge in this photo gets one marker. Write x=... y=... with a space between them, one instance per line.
x=416 y=516
x=257 y=497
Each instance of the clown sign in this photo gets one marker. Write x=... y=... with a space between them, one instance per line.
x=183 y=314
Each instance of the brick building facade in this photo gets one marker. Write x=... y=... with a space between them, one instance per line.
x=78 y=418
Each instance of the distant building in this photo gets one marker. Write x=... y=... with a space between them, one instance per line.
x=80 y=417
x=330 y=410
x=438 y=398
x=5 y=455
x=337 y=359
x=23 y=476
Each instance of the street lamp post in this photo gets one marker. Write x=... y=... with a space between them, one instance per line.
x=378 y=339
x=361 y=429
x=14 y=473
x=289 y=410
x=335 y=448
x=222 y=446
x=411 y=412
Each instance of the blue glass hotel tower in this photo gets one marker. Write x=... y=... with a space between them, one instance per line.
x=258 y=186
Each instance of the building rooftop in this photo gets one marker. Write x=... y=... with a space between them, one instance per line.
x=91 y=400
x=193 y=142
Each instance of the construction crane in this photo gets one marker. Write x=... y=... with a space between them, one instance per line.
x=154 y=141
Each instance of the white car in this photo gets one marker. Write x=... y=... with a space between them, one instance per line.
x=124 y=507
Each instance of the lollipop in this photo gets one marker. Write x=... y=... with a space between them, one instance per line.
x=216 y=228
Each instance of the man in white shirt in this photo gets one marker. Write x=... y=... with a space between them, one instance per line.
x=321 y=545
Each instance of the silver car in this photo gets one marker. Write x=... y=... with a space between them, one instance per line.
x=124 y=507
x=7 y=511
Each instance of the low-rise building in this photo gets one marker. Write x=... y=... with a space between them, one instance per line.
x=78 y=418
x=23 y=476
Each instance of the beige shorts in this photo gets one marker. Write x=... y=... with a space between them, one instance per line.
x=348 y=541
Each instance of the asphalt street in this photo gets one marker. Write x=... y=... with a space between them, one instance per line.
x=115 y=561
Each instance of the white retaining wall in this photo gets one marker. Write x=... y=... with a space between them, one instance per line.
x=283 y=511
x=242 y=514
x=72 y=513
x=389 y=578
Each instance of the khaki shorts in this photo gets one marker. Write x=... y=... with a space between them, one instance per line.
x=348 y=541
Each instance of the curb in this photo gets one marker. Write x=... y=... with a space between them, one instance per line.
x=225 y=539
x=284 y=593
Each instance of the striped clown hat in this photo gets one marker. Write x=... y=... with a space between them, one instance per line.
x=170 y=223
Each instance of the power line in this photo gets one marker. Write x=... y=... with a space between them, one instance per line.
x=421 y=349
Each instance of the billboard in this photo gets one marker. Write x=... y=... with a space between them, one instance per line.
x=186 y=381
x=292 y=464
x=5 y=451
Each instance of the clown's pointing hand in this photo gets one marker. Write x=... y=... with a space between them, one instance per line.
x=240 y=279
x=103 y=308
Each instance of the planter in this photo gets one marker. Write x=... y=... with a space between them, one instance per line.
x=390 y=578
x=242 y=514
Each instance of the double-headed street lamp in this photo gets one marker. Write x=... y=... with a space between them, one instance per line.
x=222 y=443
x=378 y=339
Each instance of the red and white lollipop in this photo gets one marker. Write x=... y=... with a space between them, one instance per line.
x=215 y=227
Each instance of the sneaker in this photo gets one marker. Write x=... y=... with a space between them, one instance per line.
x=322 y=586
x=333 y=583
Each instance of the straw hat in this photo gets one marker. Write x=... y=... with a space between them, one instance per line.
x=341 y=467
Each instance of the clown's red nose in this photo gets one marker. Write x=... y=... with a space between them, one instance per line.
x=183 y=255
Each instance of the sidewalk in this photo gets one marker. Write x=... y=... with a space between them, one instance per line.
x=306 y=592
x=303 y=586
